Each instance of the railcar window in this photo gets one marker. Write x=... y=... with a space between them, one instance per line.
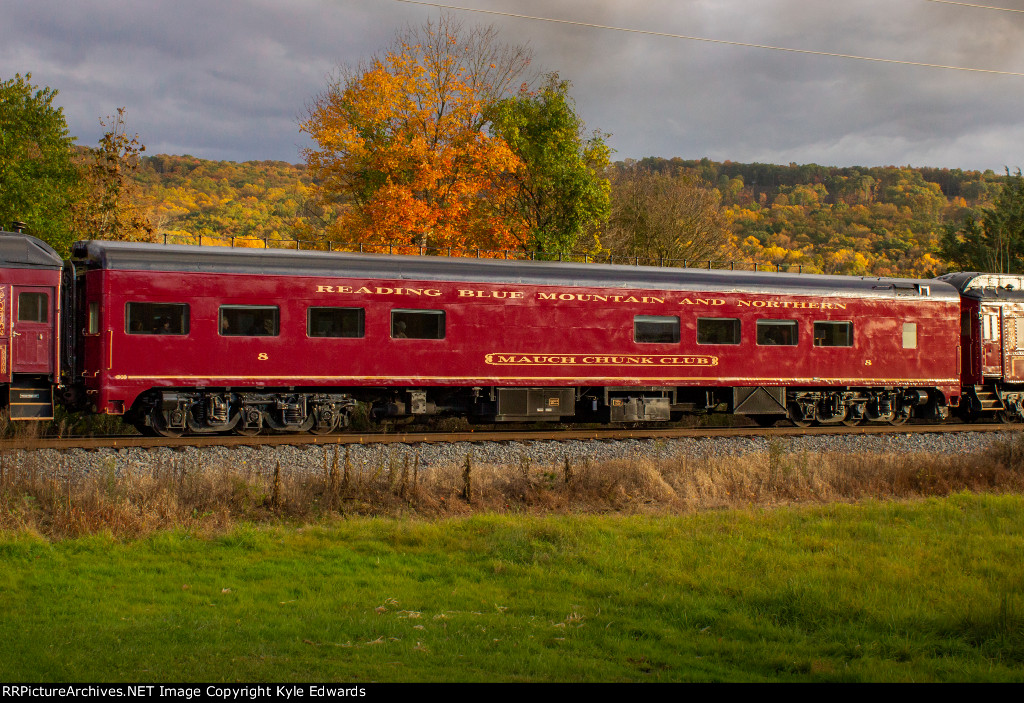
x=717 y=330
x=156 y=318
x=833 y=334
x=783 y=333
x=93 y=326
x=417 y=324
x=990 y=331
x=249 y=321
x=910 y=335
x=655 y=329
x=335 y=322
x=33 y=307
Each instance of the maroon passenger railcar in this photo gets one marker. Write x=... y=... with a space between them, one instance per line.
x=30 y=315
x=204 y=339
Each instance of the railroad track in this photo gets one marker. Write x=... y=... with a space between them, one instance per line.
x=485 y=436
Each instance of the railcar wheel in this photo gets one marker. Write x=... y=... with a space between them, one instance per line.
x=323 y=429
x=159 y=425
x=852 y=421
x=325 y=420
x=900 y=418
x=250 y=422
x=1007 y=418
x=144 y=429
x=796 y=416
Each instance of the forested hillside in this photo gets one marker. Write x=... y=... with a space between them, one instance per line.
x=187 y=197
x=882 y=221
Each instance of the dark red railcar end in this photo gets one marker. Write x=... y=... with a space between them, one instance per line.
x=30 y=319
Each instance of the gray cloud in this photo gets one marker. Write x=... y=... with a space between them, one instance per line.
x=229 y=79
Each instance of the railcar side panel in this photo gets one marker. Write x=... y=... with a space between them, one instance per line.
x=507 y=334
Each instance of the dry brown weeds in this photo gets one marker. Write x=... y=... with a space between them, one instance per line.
x=181 y=495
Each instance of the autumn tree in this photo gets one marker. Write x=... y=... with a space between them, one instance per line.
x=108 y=204
x=559 y=193
x=663 y=215
x=995 y=242
x=402 y=146
x=38 y=179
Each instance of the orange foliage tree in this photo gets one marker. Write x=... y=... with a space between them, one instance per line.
x=402 y=146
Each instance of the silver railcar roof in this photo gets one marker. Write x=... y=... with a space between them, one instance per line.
x=136 y=256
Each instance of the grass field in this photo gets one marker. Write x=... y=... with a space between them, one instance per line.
x=911 y=590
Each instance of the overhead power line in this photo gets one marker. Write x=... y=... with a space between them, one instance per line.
x=711 y=41
x=979 y=7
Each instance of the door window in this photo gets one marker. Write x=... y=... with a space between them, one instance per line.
x=33 y=307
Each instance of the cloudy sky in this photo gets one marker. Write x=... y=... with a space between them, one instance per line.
x=229 y=79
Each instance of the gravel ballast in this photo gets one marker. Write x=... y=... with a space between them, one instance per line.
x=311 y=458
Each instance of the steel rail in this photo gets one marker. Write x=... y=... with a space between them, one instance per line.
x=610 y=434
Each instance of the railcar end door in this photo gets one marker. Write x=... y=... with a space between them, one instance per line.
x=1013 y=344
x=32 y=329
x=991 y=341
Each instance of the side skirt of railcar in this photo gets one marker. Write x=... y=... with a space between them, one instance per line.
x=178 y=411
x=174 y=412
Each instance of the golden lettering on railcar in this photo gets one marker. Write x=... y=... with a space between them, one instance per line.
x=768 y=304
x=597 y=298
x=534 y=359
x=791 y=304
x=702 y=301
x=567 y=297
x=496 y=359
x=379 y=290
x=500 y=294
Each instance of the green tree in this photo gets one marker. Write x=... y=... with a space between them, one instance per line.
x=664 y=215
x=559 y=193
x=995 y=243
x=38 y=178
